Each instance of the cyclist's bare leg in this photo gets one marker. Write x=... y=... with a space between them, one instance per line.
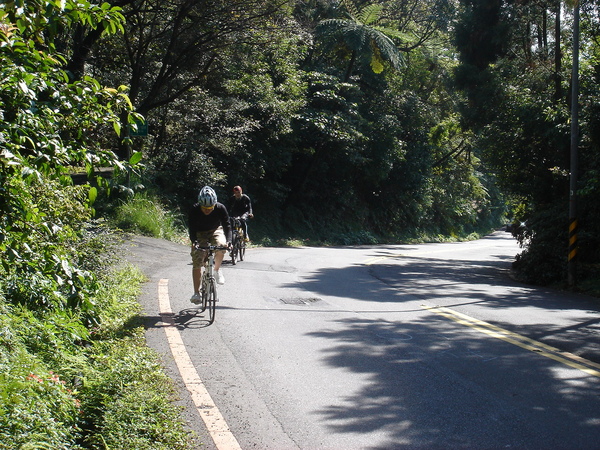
x=219 y=255
x=196 y=275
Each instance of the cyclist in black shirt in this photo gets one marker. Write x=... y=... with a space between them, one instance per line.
x=241 y=206
x=208 y=223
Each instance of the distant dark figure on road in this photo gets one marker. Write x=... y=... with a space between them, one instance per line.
x=241 y=206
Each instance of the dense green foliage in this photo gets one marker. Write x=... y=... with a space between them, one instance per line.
x=338 y=118
x=49 y=122
x=519 y=104
x=74 y=368
x=66 y=386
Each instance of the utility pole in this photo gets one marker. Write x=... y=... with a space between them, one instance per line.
x=572 y=257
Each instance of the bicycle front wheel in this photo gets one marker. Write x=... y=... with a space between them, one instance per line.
x=204 y=294
x=234 y=248
x=212 y=300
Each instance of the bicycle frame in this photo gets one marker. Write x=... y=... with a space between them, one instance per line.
x=209 y=265
x=208 y=285
x=238 y=245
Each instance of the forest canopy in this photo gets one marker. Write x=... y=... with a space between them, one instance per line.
x=346 y=121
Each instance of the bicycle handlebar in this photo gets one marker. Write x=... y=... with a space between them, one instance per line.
x=210 y=247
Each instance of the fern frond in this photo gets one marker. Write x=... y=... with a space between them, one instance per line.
x=351 y=7
x=376 y=61
x=387 y=49
x=331 y=27
x=370 y=14
x=363 y=37
x=405 y=37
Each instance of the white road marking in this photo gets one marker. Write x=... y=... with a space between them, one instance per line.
x=214 y=421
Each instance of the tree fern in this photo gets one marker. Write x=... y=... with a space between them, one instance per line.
x=360 y=34
x=370 y=14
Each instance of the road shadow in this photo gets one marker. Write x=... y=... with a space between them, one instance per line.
x=434 y=386
x=397 y=278
x=188 y=318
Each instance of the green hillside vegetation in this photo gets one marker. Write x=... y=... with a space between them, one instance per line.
x=347 y=122
x=75 y=371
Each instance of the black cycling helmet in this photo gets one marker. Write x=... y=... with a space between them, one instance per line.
x=207 y=197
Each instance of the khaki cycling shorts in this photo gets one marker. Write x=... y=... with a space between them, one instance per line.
x=204 y=238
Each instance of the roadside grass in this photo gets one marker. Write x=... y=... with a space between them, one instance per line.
x=147 y=215
x=64 y=386
x=332 y=238
x=144 y=214
x=589 y=279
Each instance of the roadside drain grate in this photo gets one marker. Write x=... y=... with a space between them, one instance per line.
x=299 y=300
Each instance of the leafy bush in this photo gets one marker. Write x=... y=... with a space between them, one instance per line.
x=37 y=242
x=51 y=287
x=545 y=239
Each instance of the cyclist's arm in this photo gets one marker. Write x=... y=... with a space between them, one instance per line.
x=249 y=208
x=226 y=224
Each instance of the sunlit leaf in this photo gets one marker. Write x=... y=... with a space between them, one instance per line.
x=135 y=158
x=92 y=195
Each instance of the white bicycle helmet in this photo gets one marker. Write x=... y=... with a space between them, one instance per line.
x=207 y=197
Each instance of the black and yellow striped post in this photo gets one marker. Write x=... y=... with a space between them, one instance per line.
x=572 y=260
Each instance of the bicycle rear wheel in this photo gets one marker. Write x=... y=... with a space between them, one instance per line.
x=211 y=300
x=241 y=250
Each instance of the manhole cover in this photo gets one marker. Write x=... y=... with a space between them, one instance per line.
x=299 y=300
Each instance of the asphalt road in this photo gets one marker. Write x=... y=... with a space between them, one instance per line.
x=381 y=347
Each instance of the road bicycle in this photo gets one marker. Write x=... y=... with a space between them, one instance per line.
x=238 y=240
x=208 y=283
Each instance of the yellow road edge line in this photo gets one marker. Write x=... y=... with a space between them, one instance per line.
x=526 y=343
x=215 y=423
x=525 y=339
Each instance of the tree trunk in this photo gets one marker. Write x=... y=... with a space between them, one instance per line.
x=557 y=56
x=350 y=67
